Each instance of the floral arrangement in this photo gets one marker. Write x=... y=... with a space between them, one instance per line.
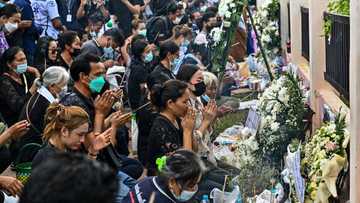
x=326 y=142
x=282 y=109
x=267 y=24
x=230 y=11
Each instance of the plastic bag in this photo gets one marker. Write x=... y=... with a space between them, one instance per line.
x=219 y=196
x=134 y=133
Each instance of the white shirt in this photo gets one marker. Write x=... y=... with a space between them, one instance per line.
x=44 y=12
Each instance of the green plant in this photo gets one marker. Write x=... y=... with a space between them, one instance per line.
x=340 y=7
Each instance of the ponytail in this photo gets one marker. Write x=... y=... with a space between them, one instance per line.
x=171 y=90
x=58 y=116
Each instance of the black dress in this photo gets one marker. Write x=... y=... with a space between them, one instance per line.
x=13 y=97
x=33 y=111
x=164 y=139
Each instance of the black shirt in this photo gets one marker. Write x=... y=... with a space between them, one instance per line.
x=160 y=75
x=123 y=14
x=145 y=188
x=43 y=154
x=164 y=138
x=61 y=62
x=70 y=7
x=92 y=47
x=138 y=75
x=75 y=98
x=13 y=97
x=36 y=107
x=164 y=30
x=158 y=7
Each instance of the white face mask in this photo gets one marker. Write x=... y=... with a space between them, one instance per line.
x=185 y=195
x=177 y=20
x=11 y=27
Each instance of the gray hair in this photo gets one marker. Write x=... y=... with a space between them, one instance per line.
x=54 y=75
x=210 y=79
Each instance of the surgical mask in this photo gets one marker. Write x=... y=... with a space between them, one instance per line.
x=205 y=98
x=97 y=84
x=142 y=32
x=21 y=68
x=175 y=63
x=11 y=27
x=200 y=89
x=93 y=35
x=76 y=52
x=63 y=91
x=203 y=8
x=108 y=53
x=2 y=5
x=185 y=43
x=149 y=57
x=185 y=195
x=177 y=20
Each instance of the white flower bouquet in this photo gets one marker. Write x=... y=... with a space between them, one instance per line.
x=282 y=110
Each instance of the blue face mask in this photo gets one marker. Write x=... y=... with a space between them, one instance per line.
x=142 y=32
x=21 y=68
x=186 y=43
x=175 y=63
x=185 y=195
x=2 y=5
x=205 y=97
x=149 y=57
x=108 y=53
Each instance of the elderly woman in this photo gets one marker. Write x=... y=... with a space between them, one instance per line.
x=52 y=84
x=212 y=84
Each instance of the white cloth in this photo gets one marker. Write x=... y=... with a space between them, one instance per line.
x=43 y=91
x=44 y=12
x=201 y=39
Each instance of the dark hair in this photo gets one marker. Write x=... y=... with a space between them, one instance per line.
x=186 y=72
x=167 y=47
x=96 y=17
x=9 y=10
x=213 y=9
x=183 y=30
x=205 y=18
x=67 y=38
x=82 y=64
x=171 y=8
x=117 y=35
x=184 y=166
x=138 y=47
x=8 y=57
x=41 y=51
x=170 y=90
x=71 y=178
x=138 y=37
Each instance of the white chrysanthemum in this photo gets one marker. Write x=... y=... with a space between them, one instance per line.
x=216 y=34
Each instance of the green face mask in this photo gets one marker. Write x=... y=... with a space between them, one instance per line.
x=97 y=84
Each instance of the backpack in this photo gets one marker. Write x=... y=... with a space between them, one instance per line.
x=151 y=33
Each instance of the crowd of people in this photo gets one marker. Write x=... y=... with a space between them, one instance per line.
x=73 y=75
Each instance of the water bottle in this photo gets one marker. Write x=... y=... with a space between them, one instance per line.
x=205 y=199
x=239 y=199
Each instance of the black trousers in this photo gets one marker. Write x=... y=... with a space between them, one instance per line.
x=5 y=158
x=144 y=120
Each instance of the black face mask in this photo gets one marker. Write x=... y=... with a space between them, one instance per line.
x=200 y=89
x=76 y=53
